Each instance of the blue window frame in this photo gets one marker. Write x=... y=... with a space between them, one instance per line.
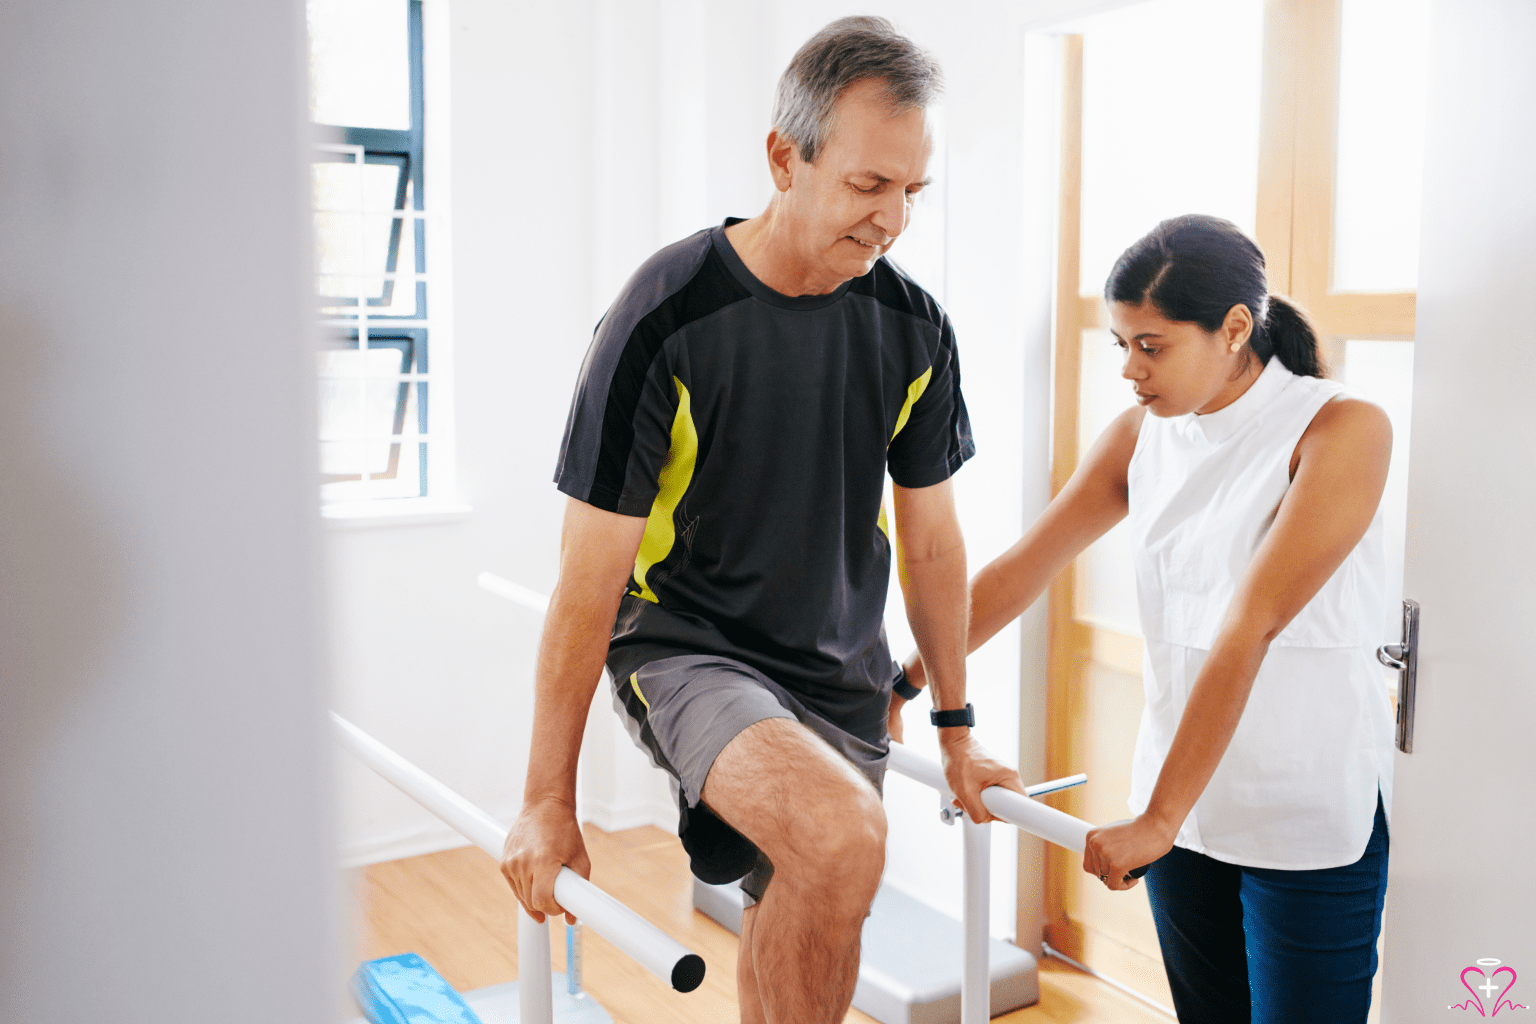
x=372 y=298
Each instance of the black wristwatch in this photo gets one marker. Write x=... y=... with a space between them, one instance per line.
x=901 y=687
x=945 y=719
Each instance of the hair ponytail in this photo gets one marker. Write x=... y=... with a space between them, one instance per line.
x=1195 y=268
x=1287 y=333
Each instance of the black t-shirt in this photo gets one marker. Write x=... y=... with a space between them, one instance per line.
x=754 y=431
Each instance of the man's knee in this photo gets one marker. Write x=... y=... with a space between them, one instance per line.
x=801 y=803
x=838 y=838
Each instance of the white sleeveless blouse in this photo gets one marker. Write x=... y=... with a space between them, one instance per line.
x=1297 y=787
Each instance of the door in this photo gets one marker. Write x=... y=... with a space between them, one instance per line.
x=1461 y=889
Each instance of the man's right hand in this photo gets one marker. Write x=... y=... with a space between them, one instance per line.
x=544 y=838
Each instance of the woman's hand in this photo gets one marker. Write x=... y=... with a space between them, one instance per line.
x=1115 y=850
x=918 y=677
x=893 y=719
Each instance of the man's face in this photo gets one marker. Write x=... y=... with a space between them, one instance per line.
x=849 y=207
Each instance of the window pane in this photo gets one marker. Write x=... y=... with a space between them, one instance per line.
x=1383 y=372
x=399 y=297
x=1170 y=121
x=353 y=231
x=341 y=460
x=359 y=64
x=1383 y=52
x=371 y=426
x=363 y=401
x=405 y=471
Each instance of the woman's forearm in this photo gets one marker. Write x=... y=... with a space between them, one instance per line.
x=1005 y=588
x=1211 y=714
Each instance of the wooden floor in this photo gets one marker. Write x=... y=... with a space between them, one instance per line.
x=454 y=909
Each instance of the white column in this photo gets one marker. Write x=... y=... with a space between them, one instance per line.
x=165 y=773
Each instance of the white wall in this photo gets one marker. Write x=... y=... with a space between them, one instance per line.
x=166 y=851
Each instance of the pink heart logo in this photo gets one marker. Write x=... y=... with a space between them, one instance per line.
x=1489 y=987
x=1481 y=1011
x=1501 y=1003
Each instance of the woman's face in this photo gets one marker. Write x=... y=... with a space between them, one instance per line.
x=1175 y=366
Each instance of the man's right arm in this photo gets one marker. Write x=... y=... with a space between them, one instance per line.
x=597 y=555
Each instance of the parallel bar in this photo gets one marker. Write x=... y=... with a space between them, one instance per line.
x=535 y=985
x=1020 y=811
x=634 y=936
x=1056 y=785
x=514 y=592
x=976 y=981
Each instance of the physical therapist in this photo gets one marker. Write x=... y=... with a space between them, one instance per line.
x=1263 y=765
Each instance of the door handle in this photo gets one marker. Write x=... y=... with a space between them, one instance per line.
x=1405 y=658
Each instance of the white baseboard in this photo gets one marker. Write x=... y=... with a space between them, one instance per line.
x=417 y=844
x=610 y=817
x=615 y=817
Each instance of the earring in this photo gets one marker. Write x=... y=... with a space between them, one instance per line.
x=1237 y=347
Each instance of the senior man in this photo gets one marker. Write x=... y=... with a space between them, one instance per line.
x=725 y=547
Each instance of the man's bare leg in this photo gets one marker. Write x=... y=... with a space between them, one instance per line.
x=821 y=824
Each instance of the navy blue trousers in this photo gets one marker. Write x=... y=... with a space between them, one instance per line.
x=1264 y=946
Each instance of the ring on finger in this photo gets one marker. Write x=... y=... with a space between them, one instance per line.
x=1104 y=878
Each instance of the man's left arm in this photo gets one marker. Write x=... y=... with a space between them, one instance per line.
x=930 y=561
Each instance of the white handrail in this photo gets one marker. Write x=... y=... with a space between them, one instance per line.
x=1033 y=817
x=514 y=592
x=634 y=936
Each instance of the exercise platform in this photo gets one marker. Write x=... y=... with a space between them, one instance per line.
x=911 y=964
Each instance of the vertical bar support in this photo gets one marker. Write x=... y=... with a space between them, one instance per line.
x=535 y=981
x=976 y=983
x=573 y=959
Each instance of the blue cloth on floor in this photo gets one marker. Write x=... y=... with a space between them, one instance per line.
x=405 y=989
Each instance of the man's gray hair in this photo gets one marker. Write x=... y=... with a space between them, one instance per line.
x=846 y=51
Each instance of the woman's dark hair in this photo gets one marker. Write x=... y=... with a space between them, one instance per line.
x=1195 y=268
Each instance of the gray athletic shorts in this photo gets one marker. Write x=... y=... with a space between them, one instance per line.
x=683 y=710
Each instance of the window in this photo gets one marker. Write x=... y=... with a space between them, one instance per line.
x=370 y=230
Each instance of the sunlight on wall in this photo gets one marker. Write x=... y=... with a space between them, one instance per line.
x=1170 y=120
x=1106 y=579
x=357 y=66
x=1383 y=372
x=1382 y=99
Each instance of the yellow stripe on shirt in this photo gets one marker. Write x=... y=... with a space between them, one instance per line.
x=914 y=392
x=676 y=474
